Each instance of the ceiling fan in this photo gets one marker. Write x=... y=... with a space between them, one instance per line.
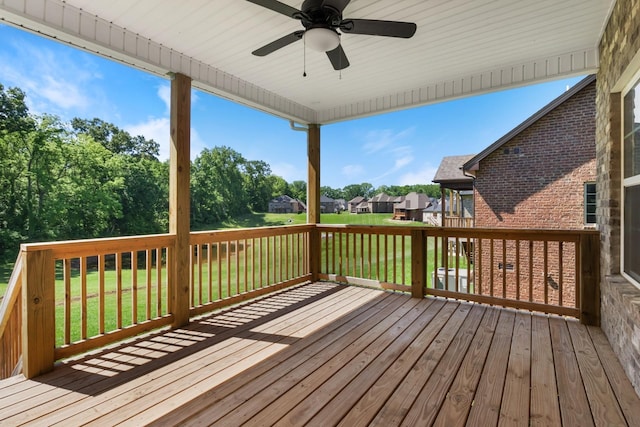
x=321 y=20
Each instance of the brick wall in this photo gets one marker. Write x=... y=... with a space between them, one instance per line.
x=620 y=303
x=536 y=180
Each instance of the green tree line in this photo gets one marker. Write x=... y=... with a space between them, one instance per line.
x=89 y=178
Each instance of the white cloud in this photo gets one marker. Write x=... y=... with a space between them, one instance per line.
x=378 y=140
x=352 y=171
x=54 y=81
x=164 y=93
x=422 y=176
x=156 y=129
x=289 y=172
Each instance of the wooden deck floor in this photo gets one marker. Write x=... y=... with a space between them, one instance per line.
x=325 y=354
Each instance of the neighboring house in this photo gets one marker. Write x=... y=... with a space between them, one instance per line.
x=363 y=207
x=432 y=214
x=327 y=204
x=353 y=203
x=286 y=204
x=341 y=205
x=381 y=203
x=539 y=175
x=451 y=177
x=411 y=208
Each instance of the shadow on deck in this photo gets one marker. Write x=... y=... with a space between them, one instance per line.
x=327 y=354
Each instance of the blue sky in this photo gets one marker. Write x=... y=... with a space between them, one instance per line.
x=403 y=147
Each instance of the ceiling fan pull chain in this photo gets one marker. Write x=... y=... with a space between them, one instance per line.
x=304 y=57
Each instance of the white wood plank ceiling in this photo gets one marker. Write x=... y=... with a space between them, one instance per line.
x=461 y=48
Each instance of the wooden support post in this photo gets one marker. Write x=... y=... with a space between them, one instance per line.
x=38 y=312
x=590 y=279
x=179 y=197
x=313 y=199
x=418 y=263
x=313 y=176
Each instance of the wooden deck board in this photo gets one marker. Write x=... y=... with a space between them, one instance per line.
x=327 y=354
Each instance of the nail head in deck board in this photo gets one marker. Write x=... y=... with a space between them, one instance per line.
x=574 y=406
x=486 y=403
x=604 y=406
x=545 y=409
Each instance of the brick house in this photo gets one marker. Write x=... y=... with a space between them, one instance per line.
x=286 y=204
x=411 y=208
x=540 y=175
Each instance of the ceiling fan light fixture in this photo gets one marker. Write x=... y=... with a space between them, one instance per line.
x=321 y=39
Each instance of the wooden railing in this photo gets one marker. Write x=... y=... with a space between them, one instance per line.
x=542 y=270
x=458 y=222
x=80 y=295
x=234 y=265
x=11 y=324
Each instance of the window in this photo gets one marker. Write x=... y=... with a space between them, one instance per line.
x=590 y=203
x=631 y=186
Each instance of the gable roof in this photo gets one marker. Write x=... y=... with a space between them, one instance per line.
x=282 y=199
x=450 y=174
x=472 y=164
x=413 y=201
x=326 y=199
x=382 y=197
x=357 y=200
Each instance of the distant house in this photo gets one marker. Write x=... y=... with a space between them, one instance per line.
x=327 y=204
x=432 y=214
x=340 y=205
x=411 y=208
x=353 y=203
x=286 y=204
x=381 y=203
x=363 y=207
x=454 y=182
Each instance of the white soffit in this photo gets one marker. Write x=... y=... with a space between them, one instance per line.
x=461 y=48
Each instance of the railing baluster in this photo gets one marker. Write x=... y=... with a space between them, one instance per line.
x=159 y=281
x=403 y=256
x=83 y=298
x=530 y=270
x=237 y=266
x=545 y=279
x=228 y=259
x=395 y=280
x=219 y=262
x=457 y=275
x=491 y=265
x=149 y=269
x=560 y=271
x=245 y=266
x=200 y=275
x=134 y=287
x=66 y=271
x=369 y=236
x=504 y=268
x=210 y=271
x=386 y=259
x=477 y=259
x=192 y=274
x=517 y=268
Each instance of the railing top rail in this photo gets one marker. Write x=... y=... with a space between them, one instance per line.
x=398 y=230
x=511 y=233
x=77 y=248
x=246 y=233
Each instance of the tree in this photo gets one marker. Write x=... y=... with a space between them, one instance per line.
x=353 y=190
x=279 y=186
x=85 y=202
x=257 y=185
x=331 y=192
x=298 y=190
x=217 y=186
x=115 y=139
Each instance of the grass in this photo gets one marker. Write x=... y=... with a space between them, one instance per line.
x=235 y=282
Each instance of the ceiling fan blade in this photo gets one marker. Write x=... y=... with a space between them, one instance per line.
x=339 y=5
x=379 y=28
x=276 y=6
x=277 y=44
x=338 y=58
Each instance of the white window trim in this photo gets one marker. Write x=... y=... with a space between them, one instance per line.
x=631 y=181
